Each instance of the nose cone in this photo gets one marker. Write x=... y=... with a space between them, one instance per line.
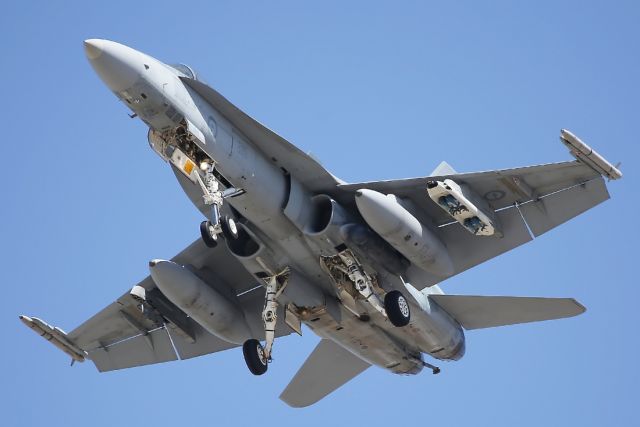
x=117 y=65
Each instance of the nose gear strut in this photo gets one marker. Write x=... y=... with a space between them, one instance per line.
x=212 y=197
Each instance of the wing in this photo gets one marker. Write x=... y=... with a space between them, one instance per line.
x=527 y=201
x=122 y=336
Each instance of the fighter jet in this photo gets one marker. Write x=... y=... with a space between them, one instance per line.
x=286 y=243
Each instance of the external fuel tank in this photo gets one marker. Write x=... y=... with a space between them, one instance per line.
x=387 y=217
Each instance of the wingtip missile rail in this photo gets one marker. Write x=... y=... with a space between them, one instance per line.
x=55 y=336
x=587 y=155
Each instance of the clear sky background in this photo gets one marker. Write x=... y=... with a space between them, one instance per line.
x=375 y=90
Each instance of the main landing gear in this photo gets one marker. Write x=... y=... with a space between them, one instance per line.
x=216 y=225
x=361 y=280
x=256 y=356
x=395 y=306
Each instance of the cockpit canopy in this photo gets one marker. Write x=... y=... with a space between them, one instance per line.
x=185 y=70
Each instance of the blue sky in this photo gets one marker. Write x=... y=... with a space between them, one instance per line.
x=375 y=90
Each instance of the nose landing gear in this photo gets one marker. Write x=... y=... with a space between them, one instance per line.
x=208 y=234
x=216 y=225
x=229 y=228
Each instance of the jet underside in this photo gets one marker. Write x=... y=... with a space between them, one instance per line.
x=285 y=243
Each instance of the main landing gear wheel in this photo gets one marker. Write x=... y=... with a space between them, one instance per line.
x=208 y=236
x=229 y=228
x=254 y=357
x=397 y=308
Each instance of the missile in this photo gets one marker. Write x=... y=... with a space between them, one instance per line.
x=588 y=155
x=213 y=311
x=404 y=232
x=55 y=336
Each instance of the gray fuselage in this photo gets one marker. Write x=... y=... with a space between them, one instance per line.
x=270 y=210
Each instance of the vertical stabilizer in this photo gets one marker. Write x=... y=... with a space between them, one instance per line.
x=443 y=169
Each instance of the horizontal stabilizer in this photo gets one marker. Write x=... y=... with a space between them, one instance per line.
x=477 y=312
x=325 y=370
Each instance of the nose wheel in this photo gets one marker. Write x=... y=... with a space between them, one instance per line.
x=208 y=234
x=211 y=233
x=229 y=228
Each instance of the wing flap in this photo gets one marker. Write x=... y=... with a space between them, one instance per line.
x=468 y=250
x=478 y=312
x=327 y=368
x=204 y=343
x=153 y=347
x=557 y=208
x=116 y=322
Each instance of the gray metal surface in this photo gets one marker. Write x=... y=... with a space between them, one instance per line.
x=113 y=342
x=498 y=188
x=478 y=312
x=443 y=168
x=154 y=347
x=284 y=154
x=283 y=193
x=560 y=207
x=218 y=314
x=327 y=368
x=546 y=195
